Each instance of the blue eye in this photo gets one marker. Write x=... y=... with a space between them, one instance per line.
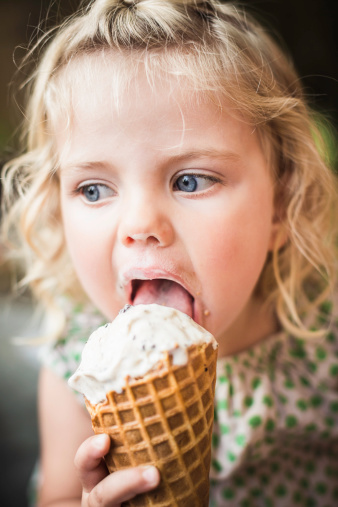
x=193 y=182
x=186 y=183
x=96 y=192
x=91 y=193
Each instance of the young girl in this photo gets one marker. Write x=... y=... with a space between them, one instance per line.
x=171 y=157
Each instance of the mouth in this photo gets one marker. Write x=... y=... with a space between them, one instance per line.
x=163 y=292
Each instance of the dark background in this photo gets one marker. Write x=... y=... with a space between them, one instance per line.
x=306 y=28
x=307 y=31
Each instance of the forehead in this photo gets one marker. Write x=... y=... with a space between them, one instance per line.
x=95 y=90
x=109 y=76
x=108 y=84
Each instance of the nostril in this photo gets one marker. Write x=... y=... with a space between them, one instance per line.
x=160 y=234
x=140 y=236
x=129 y=241
x=149 y=239
x=152 y=240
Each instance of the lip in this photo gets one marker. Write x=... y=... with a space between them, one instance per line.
x=152 y=273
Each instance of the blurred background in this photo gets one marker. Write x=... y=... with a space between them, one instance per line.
x=307 y=30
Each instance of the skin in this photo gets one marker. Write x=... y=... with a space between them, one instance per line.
x=127 y=215
x=66 y=433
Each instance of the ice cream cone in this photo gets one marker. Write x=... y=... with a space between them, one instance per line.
x=164 y=419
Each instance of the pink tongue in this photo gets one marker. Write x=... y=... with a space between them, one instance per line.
x=164 y=292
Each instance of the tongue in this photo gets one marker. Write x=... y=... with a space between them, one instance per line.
x=164 y=292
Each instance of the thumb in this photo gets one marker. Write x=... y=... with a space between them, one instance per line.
x=89 y=463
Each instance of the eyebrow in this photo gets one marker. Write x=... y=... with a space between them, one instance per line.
x=206 y=153
x=95 y=164
x=189 y=155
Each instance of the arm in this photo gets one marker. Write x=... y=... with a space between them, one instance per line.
x=64 y=425
x=66 y=434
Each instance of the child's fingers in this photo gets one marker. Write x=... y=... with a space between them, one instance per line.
x=121 y=486
x=88 y=461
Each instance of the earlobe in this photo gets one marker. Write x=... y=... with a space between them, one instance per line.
x=279 y=232
x=279 y=235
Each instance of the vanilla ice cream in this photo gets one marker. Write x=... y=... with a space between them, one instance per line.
x=132 y=345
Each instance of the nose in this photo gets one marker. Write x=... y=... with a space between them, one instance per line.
x=146 y=223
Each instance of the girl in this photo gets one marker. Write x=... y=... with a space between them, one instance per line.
x=171 y=157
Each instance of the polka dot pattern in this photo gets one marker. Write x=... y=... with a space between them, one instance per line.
x=281 y=447
x=275 y=436
x=64 y=356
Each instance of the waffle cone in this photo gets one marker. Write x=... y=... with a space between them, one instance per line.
x=164 y=419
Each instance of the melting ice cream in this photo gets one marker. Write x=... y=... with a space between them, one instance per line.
x=132 y=345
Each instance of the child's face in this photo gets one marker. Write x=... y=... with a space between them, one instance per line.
x=165 y=189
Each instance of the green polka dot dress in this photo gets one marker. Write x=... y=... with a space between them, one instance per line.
x=275 y=435
x=275 y=440
x=64 y=356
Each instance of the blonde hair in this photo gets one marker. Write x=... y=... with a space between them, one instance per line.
x=219 y=50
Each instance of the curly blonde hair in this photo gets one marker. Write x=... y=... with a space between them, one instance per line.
x=218 y=50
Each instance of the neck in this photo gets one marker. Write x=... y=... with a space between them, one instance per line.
x=256 y=322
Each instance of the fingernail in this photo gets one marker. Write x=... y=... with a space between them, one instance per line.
x=100 y=441
x=150 y=474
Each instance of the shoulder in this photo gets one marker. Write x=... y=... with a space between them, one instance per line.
x=320 y=352
x=63 y=355
x=312 y=359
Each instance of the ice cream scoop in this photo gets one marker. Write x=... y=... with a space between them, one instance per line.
x=132 y=345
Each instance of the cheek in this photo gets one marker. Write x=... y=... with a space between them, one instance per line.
x=231 y=250
x=82 y=254
x=91 y=256
x=76 y=236
x=84 y=244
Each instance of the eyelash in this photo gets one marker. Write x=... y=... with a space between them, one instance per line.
x=82 y=188
x=211 y=179
x=189 y=176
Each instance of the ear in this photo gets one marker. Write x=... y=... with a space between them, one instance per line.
x=279 y=235
x=279 y=229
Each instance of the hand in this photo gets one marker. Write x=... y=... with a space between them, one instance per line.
x=108 y=490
